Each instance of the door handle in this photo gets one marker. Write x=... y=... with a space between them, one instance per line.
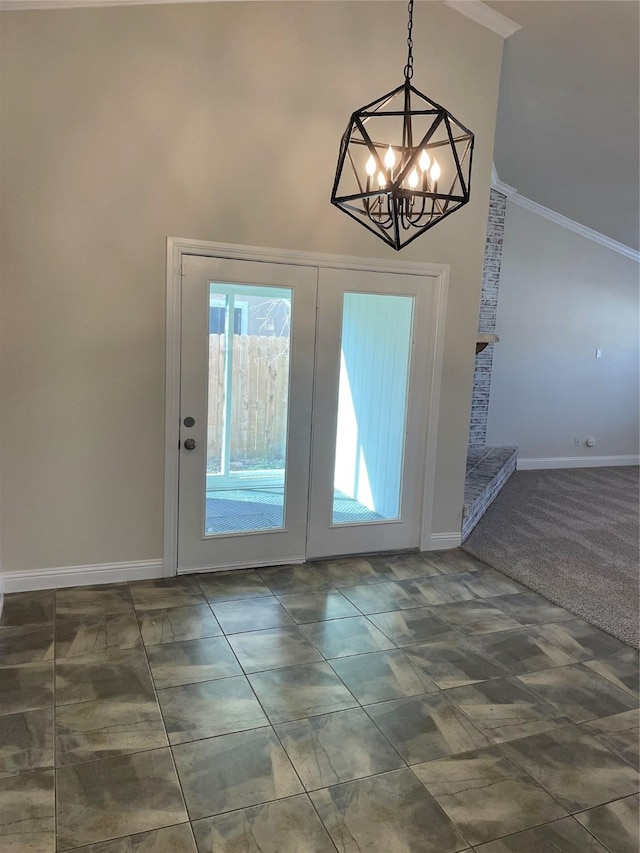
x=189 y=444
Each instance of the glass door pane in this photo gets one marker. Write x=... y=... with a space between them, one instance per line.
x=372 y=407
x=374 y=334
x=248 y=391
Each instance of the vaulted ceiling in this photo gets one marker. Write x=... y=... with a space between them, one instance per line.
x=567 y=132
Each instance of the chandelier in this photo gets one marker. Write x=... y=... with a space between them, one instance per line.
x=404 y=162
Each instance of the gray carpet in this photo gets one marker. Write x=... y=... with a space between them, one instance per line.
x=571 y=535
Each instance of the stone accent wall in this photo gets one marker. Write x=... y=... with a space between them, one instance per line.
x=487 y=321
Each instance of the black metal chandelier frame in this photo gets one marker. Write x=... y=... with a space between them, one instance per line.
x=404 y=204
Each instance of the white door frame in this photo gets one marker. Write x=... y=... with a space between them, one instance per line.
x=176 y=248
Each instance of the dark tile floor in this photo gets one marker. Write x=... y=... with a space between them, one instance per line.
x=420 y=704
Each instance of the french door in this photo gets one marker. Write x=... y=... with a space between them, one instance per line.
x=246 y=363
x=303 y=396
x=369 y=413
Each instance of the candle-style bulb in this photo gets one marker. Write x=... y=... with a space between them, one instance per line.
x=382 y=181
x=435 y=171
x=371 y=166
x=390 y=158
x=413 y=179
x=425 y=161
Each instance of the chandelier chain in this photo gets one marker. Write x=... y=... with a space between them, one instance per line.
x=408 y=69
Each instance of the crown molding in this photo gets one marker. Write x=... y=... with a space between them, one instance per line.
x=474 y=9
x=533 y=207
x=485 y=15
x=19 y=5
x=500 y=186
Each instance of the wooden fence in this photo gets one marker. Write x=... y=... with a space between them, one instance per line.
x=258 y=398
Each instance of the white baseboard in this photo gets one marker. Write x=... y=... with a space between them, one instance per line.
x=24 y=581
x=576 y=462
x=442 y=541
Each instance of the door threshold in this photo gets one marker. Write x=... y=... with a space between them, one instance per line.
x=257 y=564
x=294 y=561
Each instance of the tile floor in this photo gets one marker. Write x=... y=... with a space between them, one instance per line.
x=421 y=703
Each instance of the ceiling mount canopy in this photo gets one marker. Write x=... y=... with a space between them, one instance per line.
x=404 y=162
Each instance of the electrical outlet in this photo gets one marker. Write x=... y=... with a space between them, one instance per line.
x=576 y=441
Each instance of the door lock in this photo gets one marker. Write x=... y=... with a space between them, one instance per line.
x=189 y=444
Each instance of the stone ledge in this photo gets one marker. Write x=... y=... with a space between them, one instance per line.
x=488 y=469
x=484 y=339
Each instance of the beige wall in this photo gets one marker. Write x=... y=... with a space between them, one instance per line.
x=562 y=297
x=124 y=125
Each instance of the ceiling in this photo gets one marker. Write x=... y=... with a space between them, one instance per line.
x=567 y=134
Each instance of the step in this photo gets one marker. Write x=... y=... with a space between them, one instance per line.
x=488 y=469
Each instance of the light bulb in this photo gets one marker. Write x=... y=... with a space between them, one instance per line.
x=371 y=166
x=435 y=171
x=413 y=179
x=425 y=161
x=390 y=158
x=382 y=181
